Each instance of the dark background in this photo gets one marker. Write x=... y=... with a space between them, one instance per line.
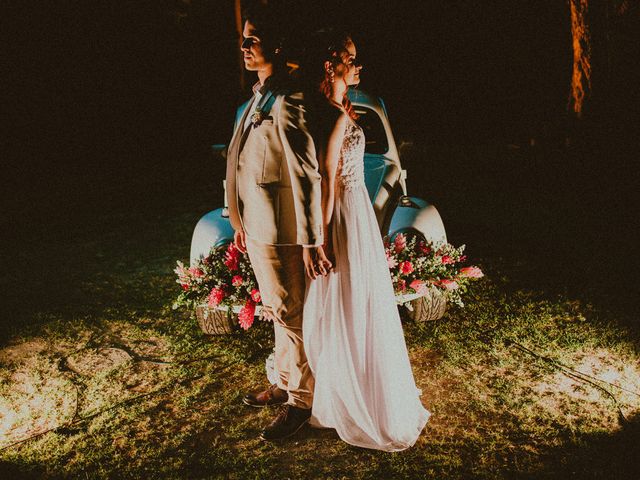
x=115 y=105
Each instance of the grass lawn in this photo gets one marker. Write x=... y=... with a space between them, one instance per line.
x=93 y=347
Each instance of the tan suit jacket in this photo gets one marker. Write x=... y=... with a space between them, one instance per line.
x=273 y=184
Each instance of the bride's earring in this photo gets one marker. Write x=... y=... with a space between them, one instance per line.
x=331 y=76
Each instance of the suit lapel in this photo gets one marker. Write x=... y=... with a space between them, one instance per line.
x=263 y=105
x=240 y=127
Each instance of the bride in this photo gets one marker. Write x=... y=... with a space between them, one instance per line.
x=364 y=386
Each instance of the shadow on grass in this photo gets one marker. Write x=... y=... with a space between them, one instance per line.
x=22 y=471
x=604 y=455
x=593 y=456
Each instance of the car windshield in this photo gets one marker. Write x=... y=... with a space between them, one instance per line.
x=374 y=132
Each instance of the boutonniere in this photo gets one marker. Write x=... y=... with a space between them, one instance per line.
x=257 y=117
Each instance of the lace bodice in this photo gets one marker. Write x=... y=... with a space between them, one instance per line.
x=351 y=164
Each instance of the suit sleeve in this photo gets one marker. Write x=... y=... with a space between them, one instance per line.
x=300 y=153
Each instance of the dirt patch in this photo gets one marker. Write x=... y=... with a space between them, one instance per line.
x=91 y=362
x=21 y=352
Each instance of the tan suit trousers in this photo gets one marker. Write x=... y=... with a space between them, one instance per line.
x=279 y=270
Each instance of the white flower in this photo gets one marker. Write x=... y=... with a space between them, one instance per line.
x=257 y=117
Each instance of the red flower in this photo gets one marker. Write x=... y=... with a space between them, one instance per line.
x=232 y=257
x=255 y=295
x=184 y=286
x=424 y=248
x=216 y=296
x=400 y=242
x=446 y=259
x=406 y=267
x=237 y=280
x=463 y=258
x=245 y=317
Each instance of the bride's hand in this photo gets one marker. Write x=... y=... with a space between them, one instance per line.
x=323 y=261
x=329 y=254
x=315 y=262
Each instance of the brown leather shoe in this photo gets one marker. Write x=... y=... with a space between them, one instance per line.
x=288 y=422
x=271 y=396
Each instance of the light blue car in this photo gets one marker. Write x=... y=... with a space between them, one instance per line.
x=395 y=210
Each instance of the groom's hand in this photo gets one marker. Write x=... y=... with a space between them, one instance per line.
x=309 y=262
x=239 y=240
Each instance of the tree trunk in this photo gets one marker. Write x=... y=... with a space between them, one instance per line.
x=581 y=87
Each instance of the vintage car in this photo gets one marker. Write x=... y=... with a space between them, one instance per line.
x=395 y=210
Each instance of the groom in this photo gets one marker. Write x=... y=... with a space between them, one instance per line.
x=273 y=190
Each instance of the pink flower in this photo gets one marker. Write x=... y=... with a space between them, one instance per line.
x=182 y=273
x=446 y=259
x=419 y=286
x=237 y=281
x=216 y=296
x=471 y=272
x=245 y=317
x=406 y=267
x=391 y=260
x=232 y=257
x=196 y=272
x=400 y=242
x=463 y=258
x=255 y=295
x=448 y=284
x=402 y=285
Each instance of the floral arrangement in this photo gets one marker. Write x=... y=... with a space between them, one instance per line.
x=225 y=278
x=416 y=265
x=222 y=279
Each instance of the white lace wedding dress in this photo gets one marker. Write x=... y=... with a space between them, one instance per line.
x=353 y=337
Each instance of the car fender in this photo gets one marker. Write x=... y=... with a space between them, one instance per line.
x=416 y=214
x=212 y=230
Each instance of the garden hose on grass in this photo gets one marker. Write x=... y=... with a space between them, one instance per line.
x=77 y=419
x=576 y=375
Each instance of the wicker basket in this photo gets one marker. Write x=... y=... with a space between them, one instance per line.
x=428 y=307
x=213 y=321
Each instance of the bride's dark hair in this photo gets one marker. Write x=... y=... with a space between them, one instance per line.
x=325 y=46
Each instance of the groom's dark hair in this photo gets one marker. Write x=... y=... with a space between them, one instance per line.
x=269 y=22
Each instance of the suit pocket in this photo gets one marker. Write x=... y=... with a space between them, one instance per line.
x=271 y=161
